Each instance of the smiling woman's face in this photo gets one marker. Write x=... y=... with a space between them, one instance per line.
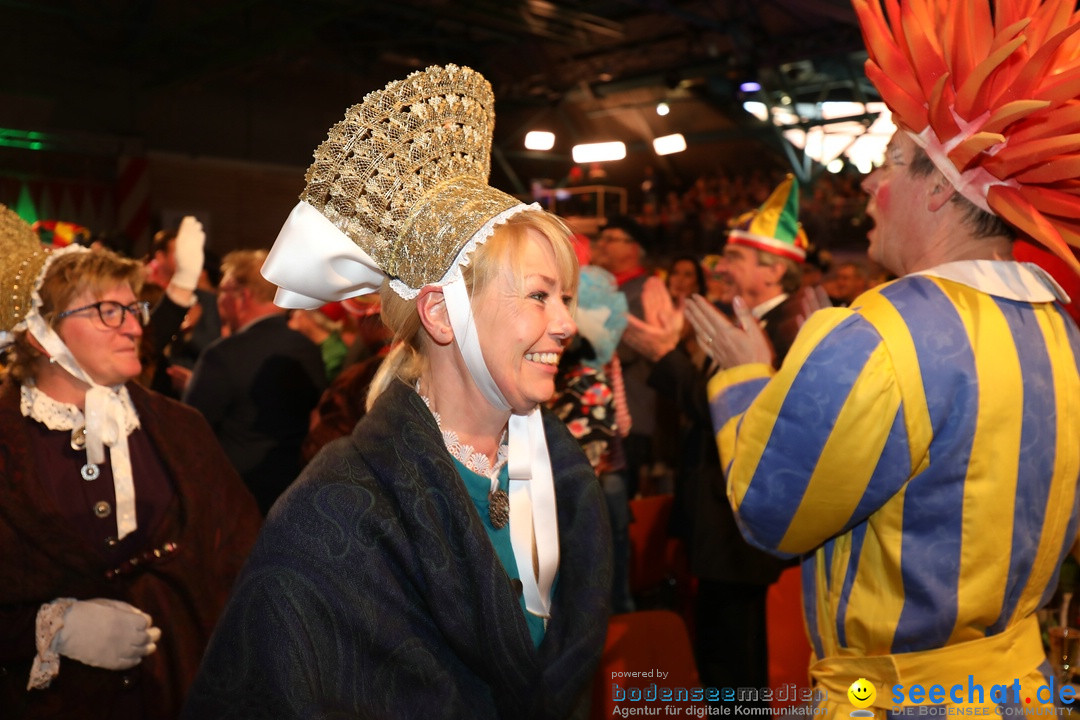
x=523 y=326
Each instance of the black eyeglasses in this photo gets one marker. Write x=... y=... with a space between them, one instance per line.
x=113 y=314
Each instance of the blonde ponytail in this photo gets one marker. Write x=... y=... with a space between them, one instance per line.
x=404 y=362
x=393 y=367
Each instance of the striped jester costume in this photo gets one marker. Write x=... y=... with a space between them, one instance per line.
x=921 y=449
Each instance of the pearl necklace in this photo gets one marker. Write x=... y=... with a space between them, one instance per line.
x=478 y=462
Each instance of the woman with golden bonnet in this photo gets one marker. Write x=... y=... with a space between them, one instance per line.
x=122 y=524
x=451 y=558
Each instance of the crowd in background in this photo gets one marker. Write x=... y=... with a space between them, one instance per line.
x=276 y=385
x=691 y=217
x=904 y=433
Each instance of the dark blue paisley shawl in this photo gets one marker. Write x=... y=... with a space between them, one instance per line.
x=374 y=592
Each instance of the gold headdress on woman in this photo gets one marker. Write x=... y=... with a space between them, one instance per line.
x=21 y=259
x=404 y=179
x=991 y=93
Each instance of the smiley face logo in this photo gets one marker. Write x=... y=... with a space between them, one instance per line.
x=862 y=693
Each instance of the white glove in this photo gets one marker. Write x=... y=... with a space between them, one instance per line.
x=188 y=253
x=107 y=634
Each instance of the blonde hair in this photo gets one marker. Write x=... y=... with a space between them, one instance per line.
x=69 y=276
x=491 y=260
x=244 y=267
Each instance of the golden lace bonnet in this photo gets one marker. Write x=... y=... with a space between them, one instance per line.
x=22 y=258
x=404 y=177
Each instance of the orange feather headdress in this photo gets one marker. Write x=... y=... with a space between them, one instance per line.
x=993 y=95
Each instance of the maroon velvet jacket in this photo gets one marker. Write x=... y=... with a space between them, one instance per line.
x=212 y=522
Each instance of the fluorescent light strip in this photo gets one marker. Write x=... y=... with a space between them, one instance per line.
x=599 y=152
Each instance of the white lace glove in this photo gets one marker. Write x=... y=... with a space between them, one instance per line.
x=188 y=253
x=107 y=634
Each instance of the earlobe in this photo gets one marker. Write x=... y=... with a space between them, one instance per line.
x=431 y=306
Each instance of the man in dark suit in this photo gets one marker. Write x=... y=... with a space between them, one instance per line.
x=258 y=385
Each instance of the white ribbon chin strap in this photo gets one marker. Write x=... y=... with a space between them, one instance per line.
x=533 y=513
x=104 y=412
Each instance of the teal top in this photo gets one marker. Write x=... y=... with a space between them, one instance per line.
x=479 y=487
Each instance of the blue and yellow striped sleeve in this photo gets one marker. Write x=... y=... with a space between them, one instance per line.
x=821 y=444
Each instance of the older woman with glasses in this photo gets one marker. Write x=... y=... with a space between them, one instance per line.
x=122 y=524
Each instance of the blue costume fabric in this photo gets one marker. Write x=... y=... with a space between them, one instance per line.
x=374 y=591
x=920 y=450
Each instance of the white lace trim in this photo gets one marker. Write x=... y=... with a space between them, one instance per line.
x=465 y=254
x=50 y=620
x=478 y=462
x=35 y=295
x=56 y=415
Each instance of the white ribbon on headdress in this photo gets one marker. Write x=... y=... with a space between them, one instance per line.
x=974 y=183
x=107 y=417
x=533 y=513
x=313 y=262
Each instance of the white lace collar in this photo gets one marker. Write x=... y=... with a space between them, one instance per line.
x=56 y=415
x=467 y=455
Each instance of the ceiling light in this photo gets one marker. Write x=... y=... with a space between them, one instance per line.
x=598 y=152
x=842 y=131
x=663 y=108
x=669 y=144
x=539 y=140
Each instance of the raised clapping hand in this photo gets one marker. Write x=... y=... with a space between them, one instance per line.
x=190 y=239
x=726 y=343
x=658 y=308
x=811 y=299
x=658 y=334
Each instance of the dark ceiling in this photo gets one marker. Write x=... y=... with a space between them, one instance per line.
x=262 y=80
